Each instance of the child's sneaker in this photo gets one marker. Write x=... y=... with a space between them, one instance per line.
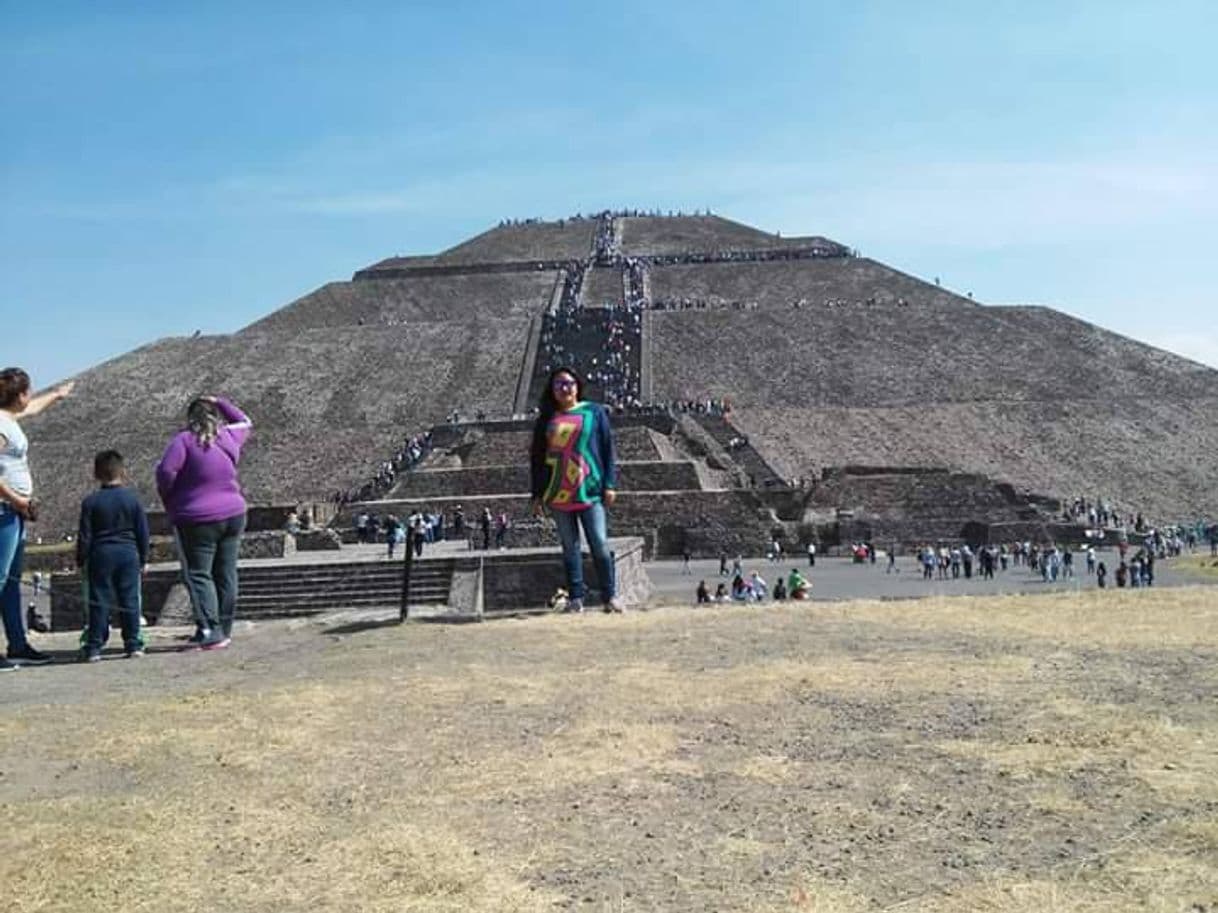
x=90 y=656
x=575 y=606
x=6 y=666
x=137 y=653
x=220 y=644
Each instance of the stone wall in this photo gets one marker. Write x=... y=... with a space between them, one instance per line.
x=494 y=480
x=480 y=446
x=705 y=522
x=529 y=580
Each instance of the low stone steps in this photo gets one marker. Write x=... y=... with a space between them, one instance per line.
x=277 y=592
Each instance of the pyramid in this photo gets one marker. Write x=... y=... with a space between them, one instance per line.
x=828 y=359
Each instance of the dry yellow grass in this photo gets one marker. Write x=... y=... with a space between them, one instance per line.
x=749 y=760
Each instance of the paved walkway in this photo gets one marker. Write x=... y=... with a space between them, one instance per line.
x=840 y=578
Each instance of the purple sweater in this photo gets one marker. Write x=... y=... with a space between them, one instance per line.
x=199 y=484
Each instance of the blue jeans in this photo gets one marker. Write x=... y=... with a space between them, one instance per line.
x=12 y=558
x=208 y=552
x=596 y=531
x=113 y=575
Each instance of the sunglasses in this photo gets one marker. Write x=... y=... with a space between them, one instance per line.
x=563 y=384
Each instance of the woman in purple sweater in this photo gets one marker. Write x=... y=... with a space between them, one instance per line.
x=197 y=480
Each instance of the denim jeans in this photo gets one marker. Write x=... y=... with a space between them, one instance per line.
x=595 y=530
x=12 y=558
x=208 y=552
x=113 y=575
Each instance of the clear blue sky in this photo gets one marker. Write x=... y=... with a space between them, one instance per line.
x=172 y=167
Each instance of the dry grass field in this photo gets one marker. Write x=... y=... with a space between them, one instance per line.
x=1054 y=754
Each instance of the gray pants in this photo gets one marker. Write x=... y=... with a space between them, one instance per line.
x=208 y=552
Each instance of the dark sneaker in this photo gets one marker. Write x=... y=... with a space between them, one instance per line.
x=90 y=656
x=137 y=653
x=29 y=657
x=575 y=606
x=6 y=666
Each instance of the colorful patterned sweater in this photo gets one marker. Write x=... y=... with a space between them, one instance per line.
x=573 y=459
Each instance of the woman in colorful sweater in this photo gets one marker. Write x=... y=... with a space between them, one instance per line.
x=574 y=473
x=197 y=481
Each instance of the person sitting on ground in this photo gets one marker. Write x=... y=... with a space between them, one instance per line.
x=740 y=589
x=721 y=593
x=780 y=590
x=758 y=586
x=798 y=586
x=703 y=594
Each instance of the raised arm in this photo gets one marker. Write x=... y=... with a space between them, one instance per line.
x=38 y=403
x=236 y=421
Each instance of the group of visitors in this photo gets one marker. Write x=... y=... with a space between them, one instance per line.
x=601 y=343
x=196 y=479
x=754 y=587
x=413 y=451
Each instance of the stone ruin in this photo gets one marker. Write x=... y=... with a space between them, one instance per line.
x=900 y=410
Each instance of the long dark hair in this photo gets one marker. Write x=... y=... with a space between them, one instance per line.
x=546 y=406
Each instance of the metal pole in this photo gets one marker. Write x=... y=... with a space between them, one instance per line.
x=407 y=567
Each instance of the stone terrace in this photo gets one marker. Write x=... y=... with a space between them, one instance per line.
x=782 y=283
x=477 y=448
x=887 y=355
x=1154 y=455
x=311 y=436
x=665 y=235
x=417 y=299
x=569 y=240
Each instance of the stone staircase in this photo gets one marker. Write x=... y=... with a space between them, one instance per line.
x=287 y=590
x=761 y=472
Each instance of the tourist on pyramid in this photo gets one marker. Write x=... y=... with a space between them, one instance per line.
x=17 y=506
x=198 y=484
x=574 y=473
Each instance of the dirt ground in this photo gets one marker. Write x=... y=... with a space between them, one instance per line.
x=1053 y=753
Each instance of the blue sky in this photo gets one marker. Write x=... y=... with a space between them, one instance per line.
x=173 y=167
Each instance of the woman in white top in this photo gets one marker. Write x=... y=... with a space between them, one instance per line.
x=16 y=500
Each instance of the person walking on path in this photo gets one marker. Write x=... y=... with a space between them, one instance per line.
x=112 y=554
x=574 y=472
x=17 y=507
x=198 y=484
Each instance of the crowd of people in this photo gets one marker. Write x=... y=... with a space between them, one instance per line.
x=691 y=303
x=601 y=343
x=413 y=451
x=754 y=588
